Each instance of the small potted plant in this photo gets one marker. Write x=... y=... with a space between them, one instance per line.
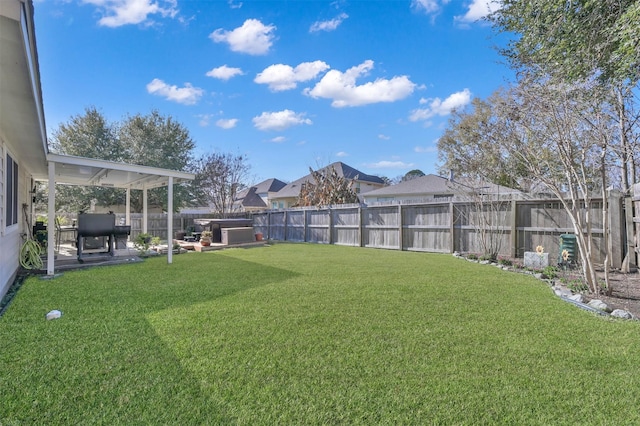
x=205 y=238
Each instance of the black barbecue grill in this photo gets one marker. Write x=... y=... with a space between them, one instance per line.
x=98 y=231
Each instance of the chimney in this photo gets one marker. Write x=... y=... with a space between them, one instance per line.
x=450 y=175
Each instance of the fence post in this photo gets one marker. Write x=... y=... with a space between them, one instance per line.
x=629 y=261
x=304 y=224
x=330 y=212
x=452 y=237
x=400 y=242
x=360 y=230
x=513 y=250
x=286 y=219
x=616 y=235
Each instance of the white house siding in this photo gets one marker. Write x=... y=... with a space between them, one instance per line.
x=10 y=237
x=366 y=187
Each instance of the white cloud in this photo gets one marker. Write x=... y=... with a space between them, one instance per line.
x=280 y=120
x=342 y=154
x=253 y=37
x=187 y=95
x=224 y=72
x=278 y=139
x=442 y=108
x=330 y=25
x=342 y=89
x=429 y=7
x=124 y=12
x=233 y=5
x=227 y=123
x=204 y=119
x=425 y=149
x=390 y=165
x=479 y=9
x=281 y=77
x=383 y=137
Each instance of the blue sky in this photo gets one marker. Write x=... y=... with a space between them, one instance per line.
x=290 y=84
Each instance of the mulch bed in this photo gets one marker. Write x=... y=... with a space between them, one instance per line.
x=626 y=292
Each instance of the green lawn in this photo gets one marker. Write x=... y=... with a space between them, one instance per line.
x=311 y=334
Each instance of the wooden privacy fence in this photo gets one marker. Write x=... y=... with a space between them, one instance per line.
x=447 y=226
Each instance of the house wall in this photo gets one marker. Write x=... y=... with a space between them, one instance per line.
x=281 y=203
x=362 y=187
x=10 y=236
x=400 y=198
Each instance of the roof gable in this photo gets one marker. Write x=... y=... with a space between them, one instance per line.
x=252 y=199
x=269 y=185
x=292 y=189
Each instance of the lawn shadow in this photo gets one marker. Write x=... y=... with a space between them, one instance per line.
x=104 y=361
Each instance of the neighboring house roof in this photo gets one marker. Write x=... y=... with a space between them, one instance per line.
x=292 y=190
x=431 y=184
x=269 y=185
x=250 y=197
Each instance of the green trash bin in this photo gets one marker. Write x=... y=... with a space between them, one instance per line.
x=569 y=243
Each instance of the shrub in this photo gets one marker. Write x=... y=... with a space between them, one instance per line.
x=550 y=272
x=577 y=286
x=505 y=262
x=142 y=242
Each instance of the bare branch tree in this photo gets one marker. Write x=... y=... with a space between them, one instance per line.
x=327 y=188
x=219 y=178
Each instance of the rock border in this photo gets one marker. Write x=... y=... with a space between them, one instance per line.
x=595 y=306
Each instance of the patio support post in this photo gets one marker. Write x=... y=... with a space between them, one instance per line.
x=144 y=210
x=170 y=221
x=51 y=219
x=127 y=208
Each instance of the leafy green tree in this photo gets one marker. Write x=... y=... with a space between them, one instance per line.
x=412 y=174
x=573 y=40
x=157 y=141
x=579 y=45
x=88 y=135
x=469 y=148
x=151 y=140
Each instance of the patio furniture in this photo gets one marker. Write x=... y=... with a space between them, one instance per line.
x=61 y=231
x=216 y=226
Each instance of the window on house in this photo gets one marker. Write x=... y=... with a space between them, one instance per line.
x=11 y=192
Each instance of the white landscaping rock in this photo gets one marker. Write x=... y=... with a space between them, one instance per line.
x=559 y=291
x=55 y=314
x=599 y=304
x=621 y=313
x=577 y=298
